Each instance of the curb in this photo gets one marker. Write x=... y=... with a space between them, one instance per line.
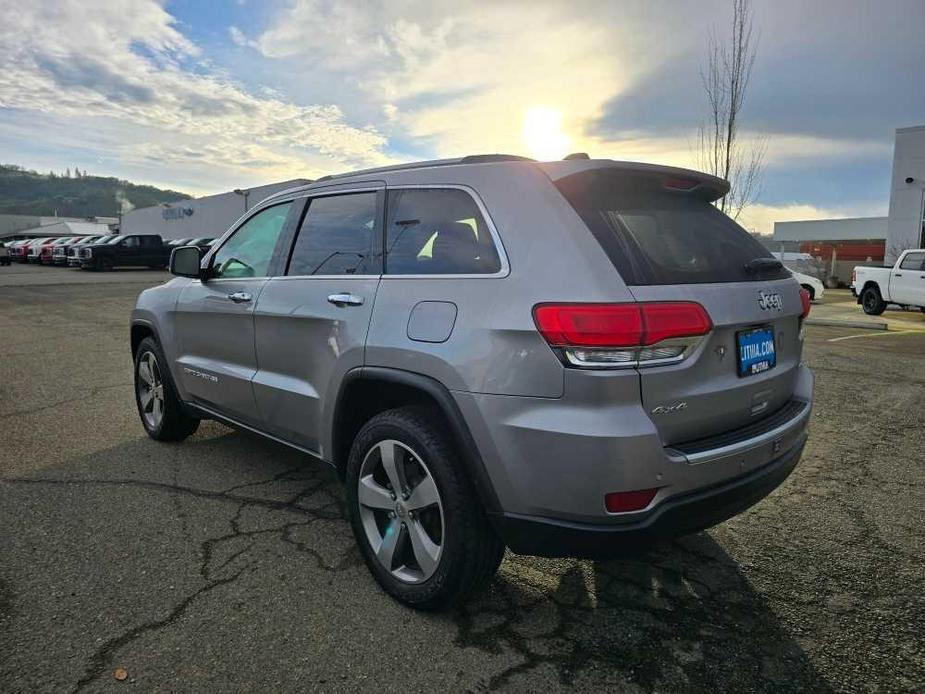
x=846 y=324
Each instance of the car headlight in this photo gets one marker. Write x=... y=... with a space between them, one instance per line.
x=88 y=252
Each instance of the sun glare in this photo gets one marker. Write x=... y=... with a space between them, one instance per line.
x=542 y=133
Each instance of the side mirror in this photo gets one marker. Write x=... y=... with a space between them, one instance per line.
x=185 y=261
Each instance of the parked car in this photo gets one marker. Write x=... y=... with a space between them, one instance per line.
x=73 y=257
x=20 y=252
x=814 y=287
x=46 y=251
x=569 y=358
x=59 y=254
x=203 y=243
x=35 y=250
x=134 y=250
x=4 y=255
x=903 y=284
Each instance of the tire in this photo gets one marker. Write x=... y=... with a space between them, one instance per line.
x=469 y=550
x=922 y=309
x=173 y=424
x=810 y=291
x=872 y=302
x=103 y=264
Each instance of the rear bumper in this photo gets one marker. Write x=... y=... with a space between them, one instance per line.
x=675 y=516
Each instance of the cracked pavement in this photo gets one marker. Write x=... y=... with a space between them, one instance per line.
x=225 y=564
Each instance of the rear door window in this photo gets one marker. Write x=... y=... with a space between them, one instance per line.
x=912 y=261
x=655 y=235
x=435 y=231
x=336 y=237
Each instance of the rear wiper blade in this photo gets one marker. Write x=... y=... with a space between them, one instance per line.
x=757 y=265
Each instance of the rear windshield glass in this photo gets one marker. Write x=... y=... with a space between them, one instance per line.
x=658 y=236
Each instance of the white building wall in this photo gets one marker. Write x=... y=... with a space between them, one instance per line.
x=853 y=229
x=206 y=217
x=907 y=200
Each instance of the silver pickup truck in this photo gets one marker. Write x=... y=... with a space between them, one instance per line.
x=903 y=284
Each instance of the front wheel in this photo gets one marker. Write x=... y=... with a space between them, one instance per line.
x=419 y=525
x=159 y=407
x=103 y=264
x=872 y=302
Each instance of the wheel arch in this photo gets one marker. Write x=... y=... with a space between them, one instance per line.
x=366 y=391
x=140 y=329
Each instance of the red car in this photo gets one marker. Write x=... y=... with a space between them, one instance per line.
x=46 y=251
x=20 y=252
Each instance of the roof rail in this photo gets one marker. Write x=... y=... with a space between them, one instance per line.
x=470 y=159
x=488 y=158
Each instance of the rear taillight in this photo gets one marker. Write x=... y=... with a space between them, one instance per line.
x=805 y=301
x=622 y=335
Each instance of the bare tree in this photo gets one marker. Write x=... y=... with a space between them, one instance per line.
x=725 y=77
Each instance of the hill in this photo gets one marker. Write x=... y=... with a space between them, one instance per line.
x=27 y=192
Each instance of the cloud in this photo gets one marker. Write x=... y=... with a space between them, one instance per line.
x=463 y=76
x=239 y=39
x=78 y=60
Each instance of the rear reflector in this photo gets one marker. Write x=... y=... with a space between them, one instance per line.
x=804 y=299
x=620 y=325
x=621 y=502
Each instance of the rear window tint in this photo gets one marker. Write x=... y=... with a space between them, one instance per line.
x=658 y=236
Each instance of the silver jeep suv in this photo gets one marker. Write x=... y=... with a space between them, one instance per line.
x=571 y=358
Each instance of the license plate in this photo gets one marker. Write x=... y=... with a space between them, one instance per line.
x=756 y=351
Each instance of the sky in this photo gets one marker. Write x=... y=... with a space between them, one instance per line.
x=205 y=96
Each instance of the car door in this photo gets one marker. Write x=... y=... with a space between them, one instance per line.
x=907 y=285
x=312 y=320
x=214 y=317
x=128 y=251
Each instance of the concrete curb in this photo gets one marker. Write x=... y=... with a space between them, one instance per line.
x=833 y=322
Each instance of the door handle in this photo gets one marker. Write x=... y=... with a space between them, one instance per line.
x=240 y=297
x=897 y=274
x=345 y=300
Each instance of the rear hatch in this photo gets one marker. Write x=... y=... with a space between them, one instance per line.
x=670 y=244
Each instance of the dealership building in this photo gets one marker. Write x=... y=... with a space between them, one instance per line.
x=840 y=244
x=206 y=217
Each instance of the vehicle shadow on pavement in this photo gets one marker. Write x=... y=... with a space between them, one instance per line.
x=174 y=531
x=681 y=617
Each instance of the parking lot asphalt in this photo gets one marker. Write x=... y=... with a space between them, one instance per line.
x=225 y=564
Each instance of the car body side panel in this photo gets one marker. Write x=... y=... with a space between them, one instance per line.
x=494 y=346
x=216 y=357
x=305 y=345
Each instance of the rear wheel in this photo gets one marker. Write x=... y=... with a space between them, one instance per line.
x=420 y=527
x=872 y=302
x=158 y=405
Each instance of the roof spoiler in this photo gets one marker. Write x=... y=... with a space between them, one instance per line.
x=675 y=178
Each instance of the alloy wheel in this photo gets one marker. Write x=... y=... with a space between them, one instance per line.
x=150 y=390
x=401 y=511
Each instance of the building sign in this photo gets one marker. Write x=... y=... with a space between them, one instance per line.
x=171 y=213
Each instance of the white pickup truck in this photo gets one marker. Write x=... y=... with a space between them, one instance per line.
x=902 y=284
